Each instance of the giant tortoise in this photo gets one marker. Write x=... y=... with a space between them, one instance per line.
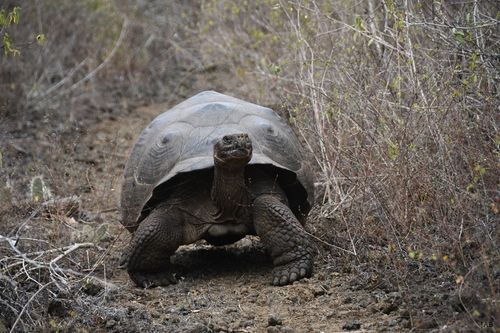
x=216 y=168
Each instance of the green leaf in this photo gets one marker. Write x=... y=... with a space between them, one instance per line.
x=458 y=34
x=474 y=60
x=399 y=24
x=7 y=46
x=3 y=19
x=14 y=15
x=359 y=24
x=479 y=169
x=393 y=151
x=40 y=39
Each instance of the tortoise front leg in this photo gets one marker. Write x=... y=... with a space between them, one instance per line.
x=285 y=238
x=147 y=258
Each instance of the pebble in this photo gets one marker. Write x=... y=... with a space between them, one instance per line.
x=197 y=328
x=351 y=326
x=347 y=300
x=331 y=314
x=390 y=307
x=274 y=321
x=426 y=323
x=318 y=291
x=246 y=323
x=110 y=323
x=155 y=314
x=59 y=308
x=280 y=329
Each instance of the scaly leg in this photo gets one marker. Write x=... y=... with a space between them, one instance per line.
x=285 y=238
x=147 y=258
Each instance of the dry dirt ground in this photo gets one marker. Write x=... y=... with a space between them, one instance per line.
x=219 y=290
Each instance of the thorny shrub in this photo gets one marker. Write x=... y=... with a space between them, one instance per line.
x=396 y=101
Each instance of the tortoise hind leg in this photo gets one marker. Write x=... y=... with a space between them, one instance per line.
x=147 y=258
x=285 y=238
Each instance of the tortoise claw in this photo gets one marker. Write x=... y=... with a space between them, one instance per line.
x=291 y=272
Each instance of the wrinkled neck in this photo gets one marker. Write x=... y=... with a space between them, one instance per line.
x=229 y=192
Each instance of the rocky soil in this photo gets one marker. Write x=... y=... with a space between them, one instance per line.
x=219 y=290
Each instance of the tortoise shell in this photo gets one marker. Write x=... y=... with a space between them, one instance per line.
x=182 y=139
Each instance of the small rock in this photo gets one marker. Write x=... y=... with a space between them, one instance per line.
x=274 y=321
x=320 y=276
x=246 y=323
x=347 y=300
x=155 y=314
x=91 y=288
x=331 y=314
x=318 y=291
x=110 y=323
x=230 y=310
x=219 y=324
x=394 y=322
x=388 y=308
x=262 y=300
x=405 y=323
x=280 y=329
x=286 y=329
x=197 y=328
x=58 y=307
x=351 y=326
x=426 y=323
x=183 y=311
x=405 y=313
x=364 y=303
x=302 y=294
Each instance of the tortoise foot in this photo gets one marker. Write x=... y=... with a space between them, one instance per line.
x=292 y=271
x=152 y=279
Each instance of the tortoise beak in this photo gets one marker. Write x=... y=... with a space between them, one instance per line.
x=234 y=147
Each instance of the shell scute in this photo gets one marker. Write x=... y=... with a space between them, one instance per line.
x=182 y=139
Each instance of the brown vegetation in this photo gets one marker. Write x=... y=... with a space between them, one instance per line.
x=397 y=103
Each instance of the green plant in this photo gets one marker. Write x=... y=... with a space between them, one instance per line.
x=8 y=18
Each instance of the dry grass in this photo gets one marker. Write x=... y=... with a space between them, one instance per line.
x=396 y=101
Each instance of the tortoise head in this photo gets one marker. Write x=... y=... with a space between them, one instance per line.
x=233 y=151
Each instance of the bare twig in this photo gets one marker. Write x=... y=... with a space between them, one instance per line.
x=92 y=73
x=333 y=245
x=28 y=303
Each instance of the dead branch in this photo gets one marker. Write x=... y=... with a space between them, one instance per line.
x=28 y=303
